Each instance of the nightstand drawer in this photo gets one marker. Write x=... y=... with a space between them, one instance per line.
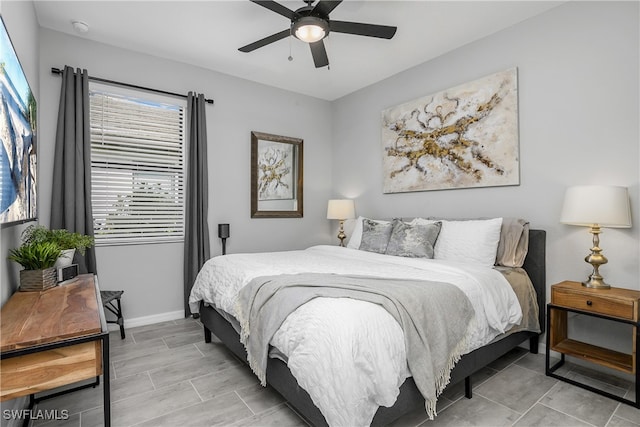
x=623 y=309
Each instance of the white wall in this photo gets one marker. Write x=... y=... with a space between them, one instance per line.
x=151 y=275
x=22 y=26
x=578 y=116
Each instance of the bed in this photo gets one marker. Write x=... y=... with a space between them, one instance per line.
x=217 y=320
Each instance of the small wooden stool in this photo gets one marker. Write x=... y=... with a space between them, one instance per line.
x=108 y=298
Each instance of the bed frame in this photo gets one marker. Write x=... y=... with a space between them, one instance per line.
x=281 y=379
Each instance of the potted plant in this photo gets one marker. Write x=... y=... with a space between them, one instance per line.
x=38 y=260
x=66 y=241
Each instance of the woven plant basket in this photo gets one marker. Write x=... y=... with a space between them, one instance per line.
x=38 y=280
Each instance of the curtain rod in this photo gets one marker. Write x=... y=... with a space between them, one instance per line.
x=113 y=82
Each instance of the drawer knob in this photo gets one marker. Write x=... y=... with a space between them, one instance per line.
x=589 y=303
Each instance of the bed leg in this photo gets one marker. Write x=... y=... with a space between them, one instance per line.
x=533 y=345
x=468 y=392
x=207 y=335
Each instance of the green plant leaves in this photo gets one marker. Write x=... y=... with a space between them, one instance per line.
x=63 y=238
x=36 y=255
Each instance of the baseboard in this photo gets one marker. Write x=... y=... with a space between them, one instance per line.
x=148 y=320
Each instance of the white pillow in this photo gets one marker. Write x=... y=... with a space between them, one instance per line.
x=349 y=225
x=423 y=221
x=356 y=235
x=472 y=241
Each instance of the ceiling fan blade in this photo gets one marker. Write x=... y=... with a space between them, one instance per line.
x=324 y=7
x=361 y=29
x=277 y=8
x=265 y=41
x=319 y=54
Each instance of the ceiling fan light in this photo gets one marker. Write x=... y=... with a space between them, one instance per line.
x=310 y=33
x=310 y=29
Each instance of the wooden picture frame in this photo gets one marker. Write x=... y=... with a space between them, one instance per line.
x=276 y=176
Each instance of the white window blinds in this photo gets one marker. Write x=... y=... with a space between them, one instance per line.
x=137 y=170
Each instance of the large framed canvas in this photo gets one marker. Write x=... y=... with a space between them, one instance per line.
x=18 y=132
x=463 y=137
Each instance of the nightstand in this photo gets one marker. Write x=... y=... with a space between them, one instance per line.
x=616 y=304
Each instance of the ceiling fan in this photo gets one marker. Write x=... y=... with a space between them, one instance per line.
x=311 y=24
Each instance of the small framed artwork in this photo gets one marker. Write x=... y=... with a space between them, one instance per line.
x=276 y=176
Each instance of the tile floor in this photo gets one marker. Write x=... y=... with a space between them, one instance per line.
x=165 y=375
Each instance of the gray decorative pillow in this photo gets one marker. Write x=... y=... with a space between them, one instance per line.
x=375 y=236
x=413 y=240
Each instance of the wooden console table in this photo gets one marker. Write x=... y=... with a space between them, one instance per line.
x=54 y=338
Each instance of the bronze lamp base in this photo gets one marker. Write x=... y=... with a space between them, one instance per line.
x=596 y=259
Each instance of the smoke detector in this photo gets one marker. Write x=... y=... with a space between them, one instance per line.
x=80 y=27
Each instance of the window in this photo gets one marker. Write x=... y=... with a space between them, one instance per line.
x=137 y=169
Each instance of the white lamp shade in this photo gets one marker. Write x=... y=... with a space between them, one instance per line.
x=341 y=209
x=606 y=206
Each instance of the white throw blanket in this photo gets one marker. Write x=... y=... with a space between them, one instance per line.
x=349 y=355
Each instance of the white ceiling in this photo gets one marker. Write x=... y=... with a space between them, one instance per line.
x=208 y=34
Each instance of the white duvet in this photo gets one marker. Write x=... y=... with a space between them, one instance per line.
x=347 y=354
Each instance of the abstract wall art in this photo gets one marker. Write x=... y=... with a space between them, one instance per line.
x=462 y=137
x=18 y=165
x=275 y=171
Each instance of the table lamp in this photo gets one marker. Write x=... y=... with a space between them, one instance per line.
x=596 y=206
x=223 y=233
x=341 y=209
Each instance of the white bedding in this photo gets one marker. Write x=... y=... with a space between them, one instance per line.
x=347 y=354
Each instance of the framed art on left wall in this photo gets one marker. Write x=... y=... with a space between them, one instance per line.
x=18 y=165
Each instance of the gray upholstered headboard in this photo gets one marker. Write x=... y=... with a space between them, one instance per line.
x=535 y=266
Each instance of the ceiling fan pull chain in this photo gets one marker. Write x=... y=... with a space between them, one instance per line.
x=290 y=58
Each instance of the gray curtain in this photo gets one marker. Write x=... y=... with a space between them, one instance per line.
x=71 y=195
x=196 y=238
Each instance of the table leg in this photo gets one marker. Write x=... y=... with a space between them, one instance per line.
x=106 y=381
x=636 y=338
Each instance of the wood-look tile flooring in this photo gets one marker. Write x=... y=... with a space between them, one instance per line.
x=165 y=375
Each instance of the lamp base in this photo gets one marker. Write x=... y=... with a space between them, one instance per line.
x=341 y=234
x=596 y=259
x=597 y=283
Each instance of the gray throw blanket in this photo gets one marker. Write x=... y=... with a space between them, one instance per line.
x=434 y=316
